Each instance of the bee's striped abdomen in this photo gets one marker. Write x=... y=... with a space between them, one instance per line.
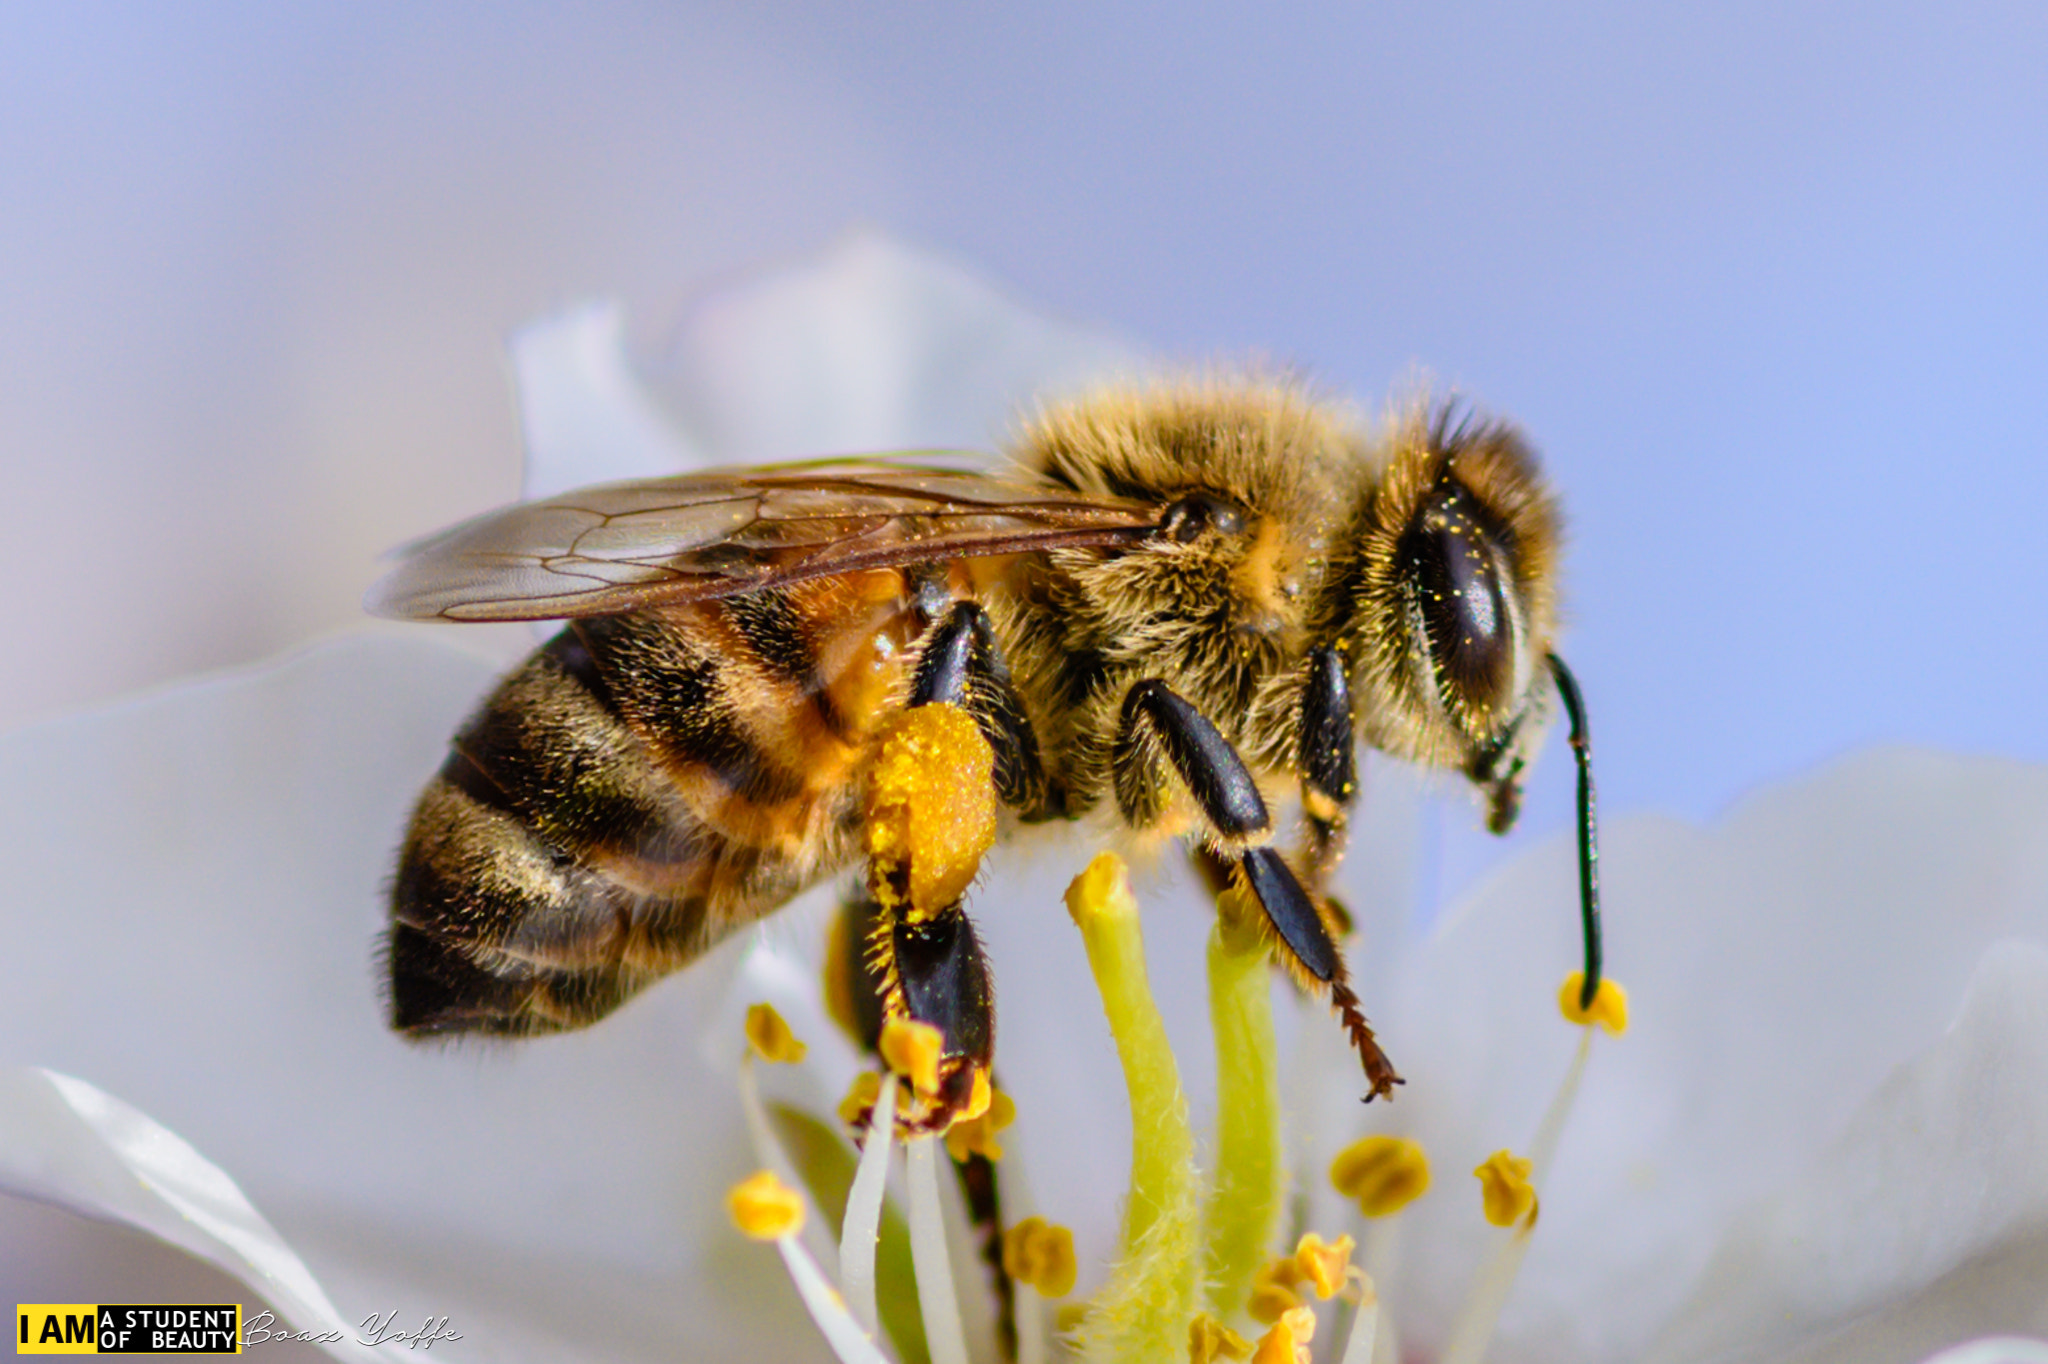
x=642 y=785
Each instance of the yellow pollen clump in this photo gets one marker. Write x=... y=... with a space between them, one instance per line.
x=860 y=1097
x=1385 y=1174
x=765 y=1208
x=1273 y=1294
x=931 y=804
x=1323 y=1264
x=912 y=1050
x=976 y=1136
x=770 y=1036
x=1504 y=1186
x=1210 y=1340
x=1609 y=1008
x=1041 y=1254
x=1287 y=1342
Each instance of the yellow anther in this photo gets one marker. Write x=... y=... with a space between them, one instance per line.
x=1609 y=1007
x=931 y=805
x=1323 y=1265
x=1273 y=1292
x=1041 y=1254
x=860 y=1097
x=1101 y=891
x=977 y=1136
x=770 y=1036
x=1385 y=1174
x=980 y=1094
x=838 y=973
x=1504 y=1186
x=1210 y=1340
x=1287 y=1341
x=765 y=1208
x=912 y=1049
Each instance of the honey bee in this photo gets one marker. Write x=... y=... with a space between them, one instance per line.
x=1181 y=607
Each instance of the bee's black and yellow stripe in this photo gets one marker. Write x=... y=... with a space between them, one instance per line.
x=640 y=787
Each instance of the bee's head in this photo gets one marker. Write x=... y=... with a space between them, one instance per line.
x=1454 y=599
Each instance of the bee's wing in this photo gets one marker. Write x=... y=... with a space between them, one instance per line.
x=628 y=546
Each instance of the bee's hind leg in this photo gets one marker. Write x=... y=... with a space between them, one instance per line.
x=961 y=743
x=1158 y=731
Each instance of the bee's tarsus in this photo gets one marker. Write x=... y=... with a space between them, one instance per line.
x=1379 y=1071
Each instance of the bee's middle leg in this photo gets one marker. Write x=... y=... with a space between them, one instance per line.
x=1159 y=731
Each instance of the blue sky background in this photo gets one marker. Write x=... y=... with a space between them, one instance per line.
x=1767 y=284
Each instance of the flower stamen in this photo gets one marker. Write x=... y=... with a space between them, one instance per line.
x=1383 y=1174
x=771 y=1037
x=765 y=1208
x=945 y=1336
x=1505 y=1190
x=860 y=1231
x=1210 y=1340
x=1609 y=1007
x=1287 y=1341
x=913 y=1050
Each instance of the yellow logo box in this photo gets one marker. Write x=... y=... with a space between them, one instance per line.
x=73 y=1328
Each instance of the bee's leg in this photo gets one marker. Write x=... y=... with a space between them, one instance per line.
x=963 y=664
x=1159 y=730
x=949 y=990
x=931 y=970
x=1329 y=764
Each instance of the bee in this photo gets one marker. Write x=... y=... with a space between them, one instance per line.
x=1179 y=609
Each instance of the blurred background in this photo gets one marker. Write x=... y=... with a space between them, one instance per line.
x=1766 y=284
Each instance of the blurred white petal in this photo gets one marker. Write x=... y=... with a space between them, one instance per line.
x=870 y=346
x=66 y=1142
x=583 y=412
x=1925 y=1222
x=1995 y=1350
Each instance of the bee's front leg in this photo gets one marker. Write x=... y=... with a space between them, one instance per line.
x=1329 y=763
x=1159 y=732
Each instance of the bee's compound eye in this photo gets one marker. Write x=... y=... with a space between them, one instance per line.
x=1455 y=565
x=1189 y=516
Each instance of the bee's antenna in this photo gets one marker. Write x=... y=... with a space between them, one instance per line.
x=1589 y=844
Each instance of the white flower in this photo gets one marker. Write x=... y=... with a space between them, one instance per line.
x=1819 y=1140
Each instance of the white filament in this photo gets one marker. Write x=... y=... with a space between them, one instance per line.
x=943 y=1332
x=862 y=1227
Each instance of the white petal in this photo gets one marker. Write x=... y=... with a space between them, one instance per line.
x=1995 y=1350
x=66 y=1142
x=1779 y=963
x=1925 y=1224
x=870 y=346
x=195 y=886
x=584 y=413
